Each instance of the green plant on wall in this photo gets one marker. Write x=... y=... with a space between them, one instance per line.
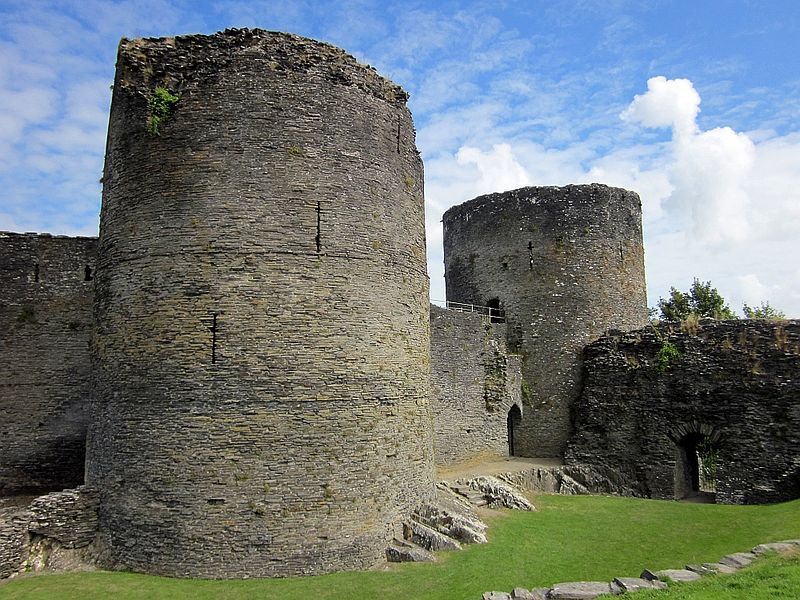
x=708 y=459
x=161 y=105
x=526 y=393
x=666 y=355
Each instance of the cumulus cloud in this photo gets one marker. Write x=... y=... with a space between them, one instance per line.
x=667 y=103
x=709 y=170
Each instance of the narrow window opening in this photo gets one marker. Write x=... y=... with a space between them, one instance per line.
x=512 y=423
x=530 y=255
x=318 y=238
x=213 y=338
x=87 y=273
x=36 y=272
x=398 y=137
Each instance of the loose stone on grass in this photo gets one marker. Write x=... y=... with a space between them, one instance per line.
x=534 y=594
x=634 y=584
x=579 y=590
x=738 y=559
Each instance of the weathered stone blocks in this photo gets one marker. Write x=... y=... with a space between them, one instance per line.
x=261 y=351
x=732 y=383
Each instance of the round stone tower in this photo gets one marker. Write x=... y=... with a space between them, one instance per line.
x=262 y=341
x=564 y=264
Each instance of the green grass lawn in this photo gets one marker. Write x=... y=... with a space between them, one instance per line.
x=570 y=538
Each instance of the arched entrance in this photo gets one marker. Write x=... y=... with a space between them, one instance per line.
x=696 y=463
x=512 y=423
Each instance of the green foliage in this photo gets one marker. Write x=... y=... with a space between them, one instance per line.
x=666 y=355
x=709 y=459
x=701 y=300
x=161 y=105
x=569 y=538
x=765 y=312
x=526 y=393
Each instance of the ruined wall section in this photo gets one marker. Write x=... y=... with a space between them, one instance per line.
x=735 y=381
x=565 y=264
x=474 y=383
x=262 y=317
x=45 y=326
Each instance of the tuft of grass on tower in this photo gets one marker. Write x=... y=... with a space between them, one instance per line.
x=570 y=538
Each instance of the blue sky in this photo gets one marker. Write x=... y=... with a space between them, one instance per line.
x=695 y=105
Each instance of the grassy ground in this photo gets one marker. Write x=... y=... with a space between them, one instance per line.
x=569 y=539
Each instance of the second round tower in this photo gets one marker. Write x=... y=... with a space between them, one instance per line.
x=564 y=264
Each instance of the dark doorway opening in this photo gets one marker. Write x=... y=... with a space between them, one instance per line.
x=512 y=423
x=696 y=468
x=496 y=314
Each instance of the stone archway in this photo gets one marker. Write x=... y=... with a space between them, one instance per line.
x=697 y=452
x=512 y=424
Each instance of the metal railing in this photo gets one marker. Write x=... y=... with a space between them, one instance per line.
x=490 y=313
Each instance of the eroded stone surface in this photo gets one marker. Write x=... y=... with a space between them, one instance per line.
x=497 y=493
x=402 y=551
x=634 y=584
x=677 y=574
x=525 y=594
x=428 y=538
x=773 y=547
x=738 y=559
x=720 y=567
x=579 y=590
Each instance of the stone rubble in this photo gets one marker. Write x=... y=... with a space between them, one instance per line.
x=492 y=492
x=444 y=524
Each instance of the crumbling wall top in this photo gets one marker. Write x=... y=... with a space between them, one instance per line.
x=177 y=62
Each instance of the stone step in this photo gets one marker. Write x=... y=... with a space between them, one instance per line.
x=579 y=590
x=427 y=537
x=737 y=560
x=402 y=551
x=621 y=585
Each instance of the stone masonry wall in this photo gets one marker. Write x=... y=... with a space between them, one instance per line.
x=734 y=381
x=45 y=325
x=48 y=532
x=262 y=317
x=474 y=383
x=565 y=264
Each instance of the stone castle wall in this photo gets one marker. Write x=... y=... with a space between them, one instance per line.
x=262 y=339
x=565 y=264
x=45 y=326
x=474 y=383
x=735 y=382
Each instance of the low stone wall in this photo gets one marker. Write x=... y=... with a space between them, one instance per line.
x=732 y=383
x=475 y=382
x=49 y=532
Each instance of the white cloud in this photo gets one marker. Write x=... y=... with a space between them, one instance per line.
x=667 y=103
x=497 y=169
